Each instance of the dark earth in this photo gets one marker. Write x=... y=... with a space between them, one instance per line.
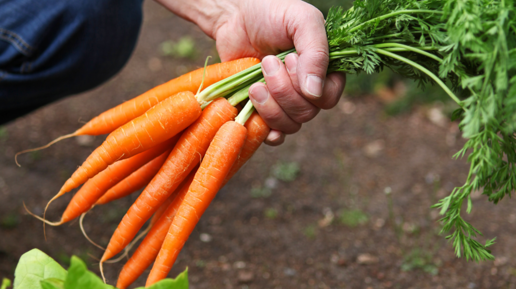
x=344 y=203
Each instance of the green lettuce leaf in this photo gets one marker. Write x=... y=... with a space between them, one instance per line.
x=79 y=277
x=52 y=283
x=181 y=282
x=35 y=266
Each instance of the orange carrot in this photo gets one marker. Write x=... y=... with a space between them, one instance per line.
x=150 y=246
x=257 y=131
x=110 y=120
x=95 y=187
x=134 y=182
x=220 y=157
x=187 y=153
x=160 y=123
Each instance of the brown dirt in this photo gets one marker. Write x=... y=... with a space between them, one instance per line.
x=347 y=158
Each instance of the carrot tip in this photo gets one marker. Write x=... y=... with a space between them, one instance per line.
x=102 y=272
x=130 y=246
x=41 y=218
x=81 y=225
x=42 y=147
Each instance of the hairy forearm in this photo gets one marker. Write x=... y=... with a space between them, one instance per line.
x=209 y=15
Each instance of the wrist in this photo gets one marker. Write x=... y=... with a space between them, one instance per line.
x=209 y=15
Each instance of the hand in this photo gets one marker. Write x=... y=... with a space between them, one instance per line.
x=295 y=91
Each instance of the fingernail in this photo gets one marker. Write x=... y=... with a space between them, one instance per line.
x=291 y=63
x=260 y=94
x=314 y=85
x=270 y=65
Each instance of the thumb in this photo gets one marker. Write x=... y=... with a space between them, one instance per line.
x=309 y=36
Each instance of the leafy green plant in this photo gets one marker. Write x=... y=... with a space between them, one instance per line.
x=418 y=259
x=36 y=270
x=286 y=172
x=271 y=213
x=353 y=218
x=469 y=44
x=184 y=48
x=5 y=283
x=310 y=231
x=10 y=221
x=260 y=192
x=3 y=133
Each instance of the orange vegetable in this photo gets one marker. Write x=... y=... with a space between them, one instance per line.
x=117 y=116
x=220 y=157
x=134 y=182
x=187 y=153
x=150 y=246
x=110 y=120
x=160 y=123
x=257 y=131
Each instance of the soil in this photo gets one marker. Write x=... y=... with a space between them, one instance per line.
x=332 y=226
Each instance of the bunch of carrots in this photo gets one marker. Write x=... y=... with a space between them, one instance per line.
x=181 y=147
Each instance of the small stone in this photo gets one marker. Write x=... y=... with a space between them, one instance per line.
x=271 y=183
x=436 y=116
x=245 y=276
x=500 y=261
x=206 y=238
x=239 y=264
x=379 y=223
x=373 y=149
x=290 y=272
x=366 y=259
x=347 y=107
x=85 y=140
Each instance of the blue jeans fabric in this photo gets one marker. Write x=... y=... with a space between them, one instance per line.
x=50 y=49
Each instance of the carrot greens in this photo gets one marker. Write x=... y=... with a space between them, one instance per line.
x=467 y=47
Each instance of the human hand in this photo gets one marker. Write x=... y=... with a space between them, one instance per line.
x=295 y=91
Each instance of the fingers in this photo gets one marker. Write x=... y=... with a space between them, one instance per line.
x=270 y=110
x=332 y=91
x=282 y=90
x=275 y=138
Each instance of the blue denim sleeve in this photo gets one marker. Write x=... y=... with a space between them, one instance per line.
x=50 y=49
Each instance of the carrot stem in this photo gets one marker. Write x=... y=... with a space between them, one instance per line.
x=246 y=112
x=231 y=84
x=241 y=95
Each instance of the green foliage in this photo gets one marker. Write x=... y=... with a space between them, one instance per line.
x=3 y=133
x=184 y=48
x=258 y=192
x=271 y=213
x=353 y=218
x=419 y=260
x=286 y=172
x=36 y=270
x=5 y=283
x=310 y=231
x=35 y=266
x=469 y=44
x=10 y=221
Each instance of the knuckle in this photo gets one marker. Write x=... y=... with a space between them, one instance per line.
x=273 y=116
x=280 y=88
x=305 y=115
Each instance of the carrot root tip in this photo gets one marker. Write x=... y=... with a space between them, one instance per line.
x=42 y=147
x=81 y=225
x=45 y=221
